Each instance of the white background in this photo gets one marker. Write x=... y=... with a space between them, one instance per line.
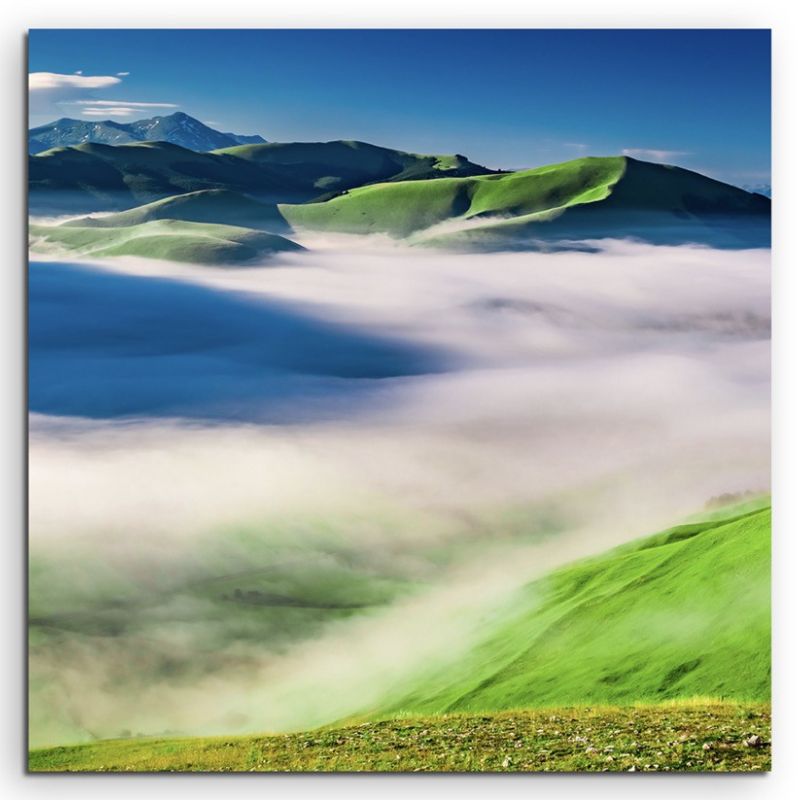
x=19 y=15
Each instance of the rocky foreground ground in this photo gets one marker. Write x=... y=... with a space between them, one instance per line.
x=692 y=736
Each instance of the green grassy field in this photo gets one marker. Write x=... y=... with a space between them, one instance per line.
x=334 y=166
x=401 y=209
x=633 y=638
x=193 y=242
x=585 y=198
x=693 y=737
x=96 y=177
x=217 y=206
x=680 y=614
x=353 y=187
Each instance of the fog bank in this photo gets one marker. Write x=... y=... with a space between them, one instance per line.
x=373 y=446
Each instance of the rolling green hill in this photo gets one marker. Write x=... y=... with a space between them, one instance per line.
x=98 y=177
x=354 y=187
x=174 y=240
x=218 y=206
x=652 y=656
x=401 y=209
x=679 y=617
x=330 y=167
x=585 y=198
x=680 y=614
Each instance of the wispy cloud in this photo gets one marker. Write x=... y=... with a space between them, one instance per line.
x=117 y=108
x=126 y=103
x=653 y=154
x=108 y=111
x=44 y=81
x=48 y=90
x=112 y=111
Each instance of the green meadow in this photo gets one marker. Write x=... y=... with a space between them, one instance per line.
x=174 y=240
x=681 y=614
x=652 y=656
x=356 y=188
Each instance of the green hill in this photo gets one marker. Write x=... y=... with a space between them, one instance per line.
x=684 y=613
x=174 y=240
x=331 y=167
x=98 y=177
x=679 y=620
x=207 y=205
x=355 y=187
x=585 y=198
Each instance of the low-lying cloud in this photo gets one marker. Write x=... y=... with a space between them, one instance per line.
x=652 y=154
x=577 y=400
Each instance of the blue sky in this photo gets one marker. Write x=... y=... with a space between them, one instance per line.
x=505 y=98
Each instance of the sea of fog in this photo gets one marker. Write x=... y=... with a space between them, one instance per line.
x=429 y=430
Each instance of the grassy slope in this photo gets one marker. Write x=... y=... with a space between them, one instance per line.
x=208 y=205
x=683 y=613
x=401 y=209
x=674 y=616
x=333 y=166
x=693 y=737
x=581 y=198
x=99 y=177
x=94 y=177
x=168 y=239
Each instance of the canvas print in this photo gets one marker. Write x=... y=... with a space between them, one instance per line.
x=399 y=400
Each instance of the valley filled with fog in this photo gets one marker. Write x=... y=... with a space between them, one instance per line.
x=268 y=498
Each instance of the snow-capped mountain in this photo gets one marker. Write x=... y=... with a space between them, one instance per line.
x=177 y=128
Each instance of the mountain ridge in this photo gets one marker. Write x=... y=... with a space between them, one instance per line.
x=178 y=128
x=586 y=198
x=99 y=177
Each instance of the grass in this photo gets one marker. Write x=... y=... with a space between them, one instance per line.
x=700 y=736
x=355 y=187
x=635 y=637
x=218 y=206
x=584 y=198
x=685 y=612
x=192 y=242
x=338 y=165
x=92 y=177
x=401 y=209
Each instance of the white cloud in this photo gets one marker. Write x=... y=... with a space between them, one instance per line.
x=108 y=111
x=48 y=81
x=652 y=154
x=123 y=74
x=126 y=103
x=49 y=90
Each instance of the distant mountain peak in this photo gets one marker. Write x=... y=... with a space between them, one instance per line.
x=177 y=128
